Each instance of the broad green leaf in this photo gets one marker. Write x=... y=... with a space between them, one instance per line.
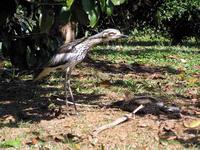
x=69 y=3
x=16 y=143
x=103 y=5
x=93 y=18
x=109 y=7
x=64 y=15
x=118 y=2
x=91 y=10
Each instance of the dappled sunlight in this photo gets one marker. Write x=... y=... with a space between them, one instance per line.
x=111 y=82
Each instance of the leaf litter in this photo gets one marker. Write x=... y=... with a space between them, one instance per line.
x=39 y=121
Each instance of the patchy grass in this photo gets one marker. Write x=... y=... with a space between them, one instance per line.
x=31 y=117
x=174 y=66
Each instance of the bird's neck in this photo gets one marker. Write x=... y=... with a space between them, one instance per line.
x=87 y=44
x=90 y=42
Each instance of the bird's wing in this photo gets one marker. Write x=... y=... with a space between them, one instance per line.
x=63 y=53
x=60 y=57
x=68 y=47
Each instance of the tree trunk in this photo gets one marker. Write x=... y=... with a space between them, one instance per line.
x=68 y=31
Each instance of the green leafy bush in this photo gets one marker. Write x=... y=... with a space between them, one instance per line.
x=180 y=19
x=171 y=8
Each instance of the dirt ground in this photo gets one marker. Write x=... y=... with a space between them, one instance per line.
x=33 y=114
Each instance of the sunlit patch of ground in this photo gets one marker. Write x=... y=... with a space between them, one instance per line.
x=32 y=116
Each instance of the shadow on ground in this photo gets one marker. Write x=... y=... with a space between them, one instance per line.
x=27 y=101
x=193 y=140
x=109 y=67
x=169 y=120
x=154 y=43
x=152 y=105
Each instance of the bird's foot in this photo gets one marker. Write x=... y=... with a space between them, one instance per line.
x=75 y=113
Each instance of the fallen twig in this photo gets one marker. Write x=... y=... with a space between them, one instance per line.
x=120 y=120
x=81 y=105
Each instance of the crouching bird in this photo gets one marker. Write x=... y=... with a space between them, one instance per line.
x=68 y=55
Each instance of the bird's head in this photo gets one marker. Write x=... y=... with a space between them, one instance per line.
x=109 y=34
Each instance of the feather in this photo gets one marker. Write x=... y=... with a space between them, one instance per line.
x=68 y=47
x=69 y=54
x=57 y=60
x=42 y=73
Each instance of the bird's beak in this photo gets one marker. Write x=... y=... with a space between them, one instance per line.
x=123 y=36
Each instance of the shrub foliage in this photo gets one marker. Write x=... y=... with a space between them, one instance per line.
x=28 y=28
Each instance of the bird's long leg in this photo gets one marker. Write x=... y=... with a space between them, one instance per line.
x=66 y=88
x=68 y=85
x=71 y=94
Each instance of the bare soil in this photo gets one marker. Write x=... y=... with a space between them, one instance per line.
x=32 y=113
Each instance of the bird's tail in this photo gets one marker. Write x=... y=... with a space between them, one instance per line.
x=41 y=73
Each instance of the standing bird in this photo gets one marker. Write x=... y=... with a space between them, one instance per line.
x=70 y=54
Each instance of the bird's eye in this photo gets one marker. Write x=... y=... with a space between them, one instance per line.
x=111 y=34
x=105 y=35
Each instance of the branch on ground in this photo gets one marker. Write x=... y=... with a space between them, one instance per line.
x=118 y=121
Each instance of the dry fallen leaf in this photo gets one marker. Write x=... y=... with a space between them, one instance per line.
x=34 y=141
x=173 y=57
x=172 y=137
x=128 y=95
x=192 y=124
x=197 y=67
x=193 y=93
x=156 y=76
x=183 y=60
x=9 y=119
x=192 y=80
x=105 y=84
x=58 y=138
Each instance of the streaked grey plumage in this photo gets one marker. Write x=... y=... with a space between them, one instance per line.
x=70 y=54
